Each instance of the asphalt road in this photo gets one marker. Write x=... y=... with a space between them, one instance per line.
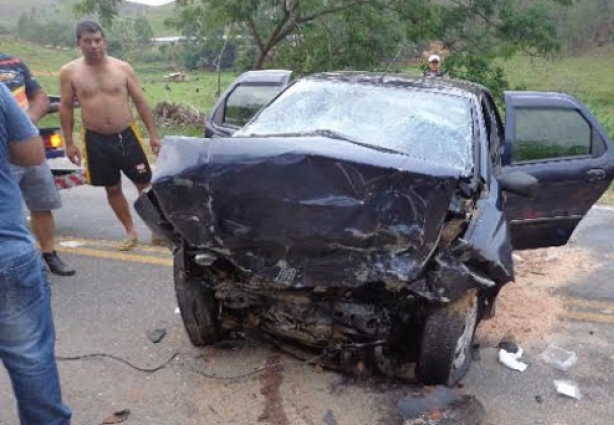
x=116 y=298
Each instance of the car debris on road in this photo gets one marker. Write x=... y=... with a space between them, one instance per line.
x=568 y=388
x=559 y=357
x=512 y=359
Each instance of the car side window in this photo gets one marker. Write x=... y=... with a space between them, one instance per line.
x=245 y=101
x=553 y=133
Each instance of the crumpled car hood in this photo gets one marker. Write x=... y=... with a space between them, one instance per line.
x=305 y=211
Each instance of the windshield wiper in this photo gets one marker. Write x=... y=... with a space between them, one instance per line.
x=326 y=133
x=335 y=135
x=331 y=134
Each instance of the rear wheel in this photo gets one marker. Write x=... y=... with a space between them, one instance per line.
x=197 y=302
x=445 y=352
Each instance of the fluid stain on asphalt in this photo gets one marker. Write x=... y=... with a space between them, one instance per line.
x=271 y=380
x=440 y=406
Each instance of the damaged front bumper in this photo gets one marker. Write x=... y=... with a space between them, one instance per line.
x=332 y=247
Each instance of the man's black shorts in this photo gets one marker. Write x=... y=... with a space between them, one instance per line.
x=107 y=155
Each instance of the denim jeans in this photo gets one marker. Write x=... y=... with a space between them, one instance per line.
x=27 y=340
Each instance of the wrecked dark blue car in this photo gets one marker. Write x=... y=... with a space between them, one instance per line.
x=372 y=216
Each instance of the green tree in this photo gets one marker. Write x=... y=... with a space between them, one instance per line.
x=33 y=27
x=106 y=10
x=23 y=26
x=363 y=37
x=142 y=31
x=268 y=23
x=360 y=33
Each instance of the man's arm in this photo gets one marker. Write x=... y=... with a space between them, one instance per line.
x=138 y=97
x=39 y=105
x=28 y=152
x=67 y=115
x=38 y=100
x=25 y=146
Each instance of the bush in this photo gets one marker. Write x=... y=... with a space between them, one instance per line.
x=150 y=56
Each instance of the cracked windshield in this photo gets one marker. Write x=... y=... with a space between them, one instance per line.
x=427 y=126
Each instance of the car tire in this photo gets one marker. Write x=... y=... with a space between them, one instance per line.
x=447 y=341
x=197 y=304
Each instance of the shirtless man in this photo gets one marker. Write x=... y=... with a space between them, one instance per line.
x=111 y=141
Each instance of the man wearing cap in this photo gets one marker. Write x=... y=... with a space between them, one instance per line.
x=434 y=67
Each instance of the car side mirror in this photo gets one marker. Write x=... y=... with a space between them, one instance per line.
x=519 y=183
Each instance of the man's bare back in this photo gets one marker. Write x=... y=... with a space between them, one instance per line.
x=102 y=92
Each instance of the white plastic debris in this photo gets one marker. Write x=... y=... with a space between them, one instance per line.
x=517 y=258
x=559 y=357
x=511 y=360
x=568 y=388
x=71 y=244
x=177 y=311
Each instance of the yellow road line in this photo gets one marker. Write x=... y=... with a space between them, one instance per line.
x=118 y=256
x=583 y=316
x=594 y=304
x=111 y=244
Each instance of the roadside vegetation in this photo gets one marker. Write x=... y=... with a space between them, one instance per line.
x=586 y=76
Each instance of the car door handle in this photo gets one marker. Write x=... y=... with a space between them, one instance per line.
x=595 y=174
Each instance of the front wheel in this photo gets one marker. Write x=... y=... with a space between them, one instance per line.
x=196 y=301
x=447 y=339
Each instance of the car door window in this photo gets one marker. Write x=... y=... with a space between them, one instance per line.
x=245 y=101
x=553 y=133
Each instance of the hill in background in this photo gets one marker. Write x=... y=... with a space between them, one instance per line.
x=59 y=11
x=41 y=60
x=156 y=17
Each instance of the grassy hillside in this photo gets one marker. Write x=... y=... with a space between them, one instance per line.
x=42 y=61
x=11 y=10
x=587 y=77
x=59 y=10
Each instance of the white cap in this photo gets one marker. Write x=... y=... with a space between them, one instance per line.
x=434 y=58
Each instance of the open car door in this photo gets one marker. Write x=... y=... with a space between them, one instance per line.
x=555 y=138
x=247 y=94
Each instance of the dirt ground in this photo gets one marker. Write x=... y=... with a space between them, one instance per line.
x=528 y=308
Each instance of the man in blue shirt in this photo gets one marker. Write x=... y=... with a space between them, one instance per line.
x=27 y=335
x=36 y=183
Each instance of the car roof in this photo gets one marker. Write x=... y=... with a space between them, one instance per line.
x=447 y=85
x=265 y=76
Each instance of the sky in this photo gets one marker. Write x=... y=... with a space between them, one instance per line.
x=152 y=2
